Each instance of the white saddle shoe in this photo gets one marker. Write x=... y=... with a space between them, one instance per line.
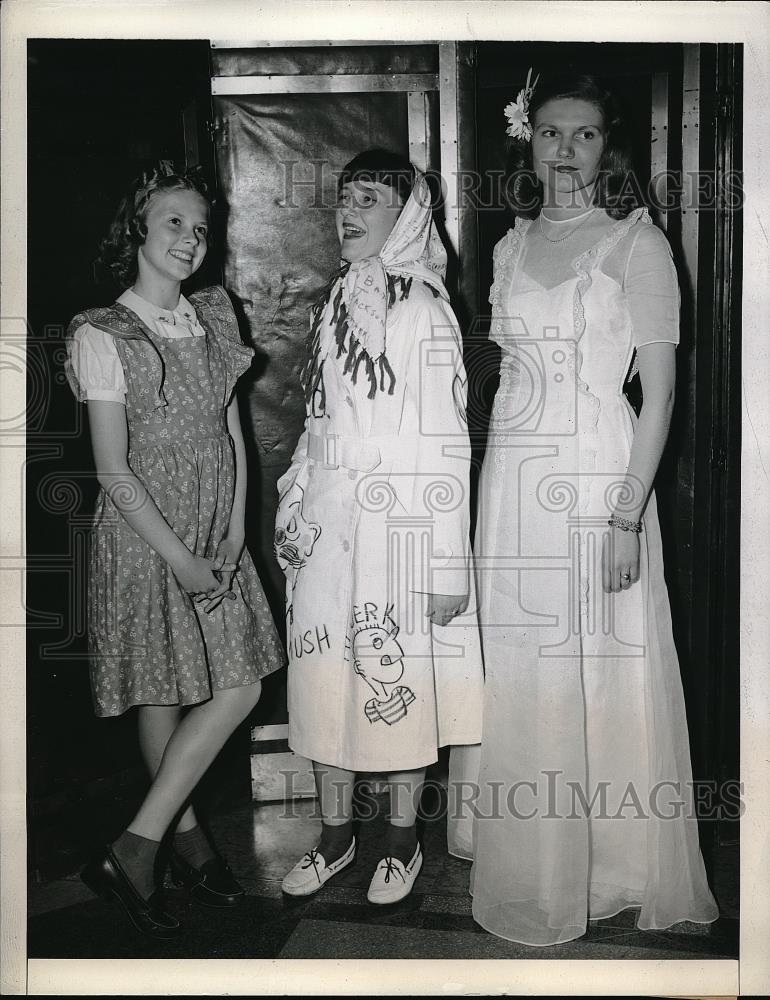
x=311 y=871
x=392 y=880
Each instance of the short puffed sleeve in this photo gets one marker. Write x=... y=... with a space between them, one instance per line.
x=215 y=312
x=652 y=289
x=94 y=367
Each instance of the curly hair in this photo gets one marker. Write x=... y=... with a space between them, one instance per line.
x=613 y=193
x=128 y=231
x=383 y=167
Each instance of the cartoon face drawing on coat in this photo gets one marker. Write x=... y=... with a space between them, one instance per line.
x=378 y=658
x=294 y=537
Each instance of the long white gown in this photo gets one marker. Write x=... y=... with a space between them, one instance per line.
x=585 y=753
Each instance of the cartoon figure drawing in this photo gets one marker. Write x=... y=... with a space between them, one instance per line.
x=378 y=660
x=294 y=537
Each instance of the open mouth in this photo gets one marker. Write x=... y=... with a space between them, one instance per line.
x=181 y=255
x=564 y=168
x=351 y=232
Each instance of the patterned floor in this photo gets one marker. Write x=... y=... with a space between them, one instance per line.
x=262 y=841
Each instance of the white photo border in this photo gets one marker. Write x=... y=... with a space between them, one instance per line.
x=391 y=20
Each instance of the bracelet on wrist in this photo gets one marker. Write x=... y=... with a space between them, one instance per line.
x=624 y=524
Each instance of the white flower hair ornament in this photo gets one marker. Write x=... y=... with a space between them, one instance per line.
x=517 y=112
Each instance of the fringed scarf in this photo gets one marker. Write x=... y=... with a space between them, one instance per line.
x=354 y=307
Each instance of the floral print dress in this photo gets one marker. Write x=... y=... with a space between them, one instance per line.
x=149 y=643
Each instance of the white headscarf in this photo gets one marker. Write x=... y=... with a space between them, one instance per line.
x=413 y=250
x=354 y=310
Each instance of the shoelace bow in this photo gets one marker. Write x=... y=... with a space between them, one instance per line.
x=390 y=869
x=312 y=859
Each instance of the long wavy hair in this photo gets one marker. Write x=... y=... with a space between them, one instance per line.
x=615 y=190
x=128 y=231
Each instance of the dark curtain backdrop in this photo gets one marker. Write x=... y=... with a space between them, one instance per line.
x=276 y=158
x=276 y=161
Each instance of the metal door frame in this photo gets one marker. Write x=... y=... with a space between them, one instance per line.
x=707 y=536
x=415 y=85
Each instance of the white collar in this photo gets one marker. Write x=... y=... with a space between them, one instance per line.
x=150 y=313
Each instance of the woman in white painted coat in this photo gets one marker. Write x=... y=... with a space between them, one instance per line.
x=372 y=527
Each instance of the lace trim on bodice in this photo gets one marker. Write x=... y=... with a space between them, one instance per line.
x=505 y=260
x=507 y=257
x=590 y=258
x=585 y=263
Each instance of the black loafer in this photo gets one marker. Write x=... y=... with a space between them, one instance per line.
x=105 y=877
x=212 y=884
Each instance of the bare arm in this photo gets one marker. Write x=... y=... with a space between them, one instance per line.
x=657 y=371
x=236 y=529
x=230 y=549
x=109 y=440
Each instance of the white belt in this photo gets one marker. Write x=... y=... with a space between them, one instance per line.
x=333 y=451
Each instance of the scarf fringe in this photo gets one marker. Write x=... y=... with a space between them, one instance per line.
x=310 y=376
x=405 y=287
x=378 y=371
x=385 y=369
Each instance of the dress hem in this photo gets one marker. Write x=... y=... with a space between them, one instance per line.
x=367 y=766
x=574 y=937
x=178 y=703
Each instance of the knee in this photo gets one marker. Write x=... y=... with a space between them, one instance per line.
x=249 y=697
x=233 y=705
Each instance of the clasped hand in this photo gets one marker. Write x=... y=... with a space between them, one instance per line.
x=442 y=608
x=209 y=581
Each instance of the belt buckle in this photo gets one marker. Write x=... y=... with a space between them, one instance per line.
x=331 y=457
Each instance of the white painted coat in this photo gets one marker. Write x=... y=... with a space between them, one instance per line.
x=373 y=516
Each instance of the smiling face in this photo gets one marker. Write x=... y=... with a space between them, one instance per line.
x=366 y=213
x=177 y=225
x=567 y=145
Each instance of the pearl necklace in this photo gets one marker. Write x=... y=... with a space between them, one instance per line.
x=585 y=217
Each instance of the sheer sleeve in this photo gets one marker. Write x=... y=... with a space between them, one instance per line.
x=95 y=365
x=652 y=289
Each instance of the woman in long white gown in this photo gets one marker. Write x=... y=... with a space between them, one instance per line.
x=583 y=804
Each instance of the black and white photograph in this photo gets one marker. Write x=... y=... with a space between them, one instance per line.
x=385 y=434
